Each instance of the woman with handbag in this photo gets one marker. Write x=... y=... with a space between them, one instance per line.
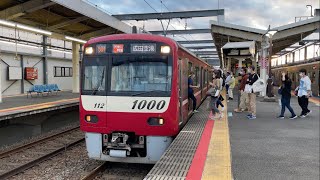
x=220 y=99
x=285 y=91
x=214 y=93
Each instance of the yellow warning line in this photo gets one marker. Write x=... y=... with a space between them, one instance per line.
x=218 y=162
x=38 y=105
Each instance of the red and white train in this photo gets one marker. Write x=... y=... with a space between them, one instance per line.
x=134 y=95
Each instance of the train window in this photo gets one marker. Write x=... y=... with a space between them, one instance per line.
x=94 y=78
x=297 y=76
x=205 y=77
x=292 y=77
x=189 y=67
x=313 y=77
x=197 y=78
x=201 y=77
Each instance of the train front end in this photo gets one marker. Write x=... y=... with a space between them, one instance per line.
x=128 y=107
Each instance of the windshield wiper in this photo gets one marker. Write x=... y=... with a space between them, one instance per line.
x=146 y=92
x=95 y=90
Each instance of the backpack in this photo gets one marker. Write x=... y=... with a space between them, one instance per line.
x=259 y=85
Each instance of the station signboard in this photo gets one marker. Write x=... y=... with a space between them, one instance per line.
x=31 y=73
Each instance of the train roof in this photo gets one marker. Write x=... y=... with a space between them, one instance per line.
x=144 y=37
x=133 y=37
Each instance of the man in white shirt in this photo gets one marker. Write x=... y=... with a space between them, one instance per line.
x=304 y=92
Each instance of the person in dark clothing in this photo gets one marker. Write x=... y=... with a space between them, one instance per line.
x=220 y=99
x=190 y=91
x=253 y=77
x=285 y=90
x=244 y=100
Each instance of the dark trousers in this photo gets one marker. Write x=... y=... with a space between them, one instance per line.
x=303 y=103
x=194 y=100
x=227 y=88
x=219 y=102
x=285 y=102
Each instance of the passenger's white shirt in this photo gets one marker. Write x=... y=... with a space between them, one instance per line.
x=221 y=82
x=304 y=86
x=228 y=79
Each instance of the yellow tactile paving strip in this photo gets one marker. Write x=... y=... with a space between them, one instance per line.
x=218 y=162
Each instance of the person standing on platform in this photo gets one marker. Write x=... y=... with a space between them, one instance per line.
x=220 y=99
x=228 y=78
x=244 y=101
x=213 y=101
x=238 y=80
x=253 y=77
x=231 y=83
x=190 y=92
x=304 y=92
x=285 y=91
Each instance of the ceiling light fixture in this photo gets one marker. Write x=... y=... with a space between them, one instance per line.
x=28 y=28
x=75 y=39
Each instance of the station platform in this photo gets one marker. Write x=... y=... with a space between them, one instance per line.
x=272 y=148
x=19 y=105
x=235 y=147
x=200 y=151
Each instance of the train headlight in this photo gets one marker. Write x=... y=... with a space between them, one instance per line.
x=89 y=50
x=91 y=118
x=153 y=121
x=165 y=49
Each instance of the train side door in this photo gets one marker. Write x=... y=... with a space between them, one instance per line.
x=180 y=77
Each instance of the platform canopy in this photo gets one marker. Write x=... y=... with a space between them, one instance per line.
x=74 y=18
x=285 y=36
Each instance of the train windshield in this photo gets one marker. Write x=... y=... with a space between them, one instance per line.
x=142 y=74
x=94 y=76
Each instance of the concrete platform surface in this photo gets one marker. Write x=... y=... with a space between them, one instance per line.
x=22 y=100
x=272 y=148
x=19 y=106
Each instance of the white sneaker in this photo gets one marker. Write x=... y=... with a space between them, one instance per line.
x=195 y=111
x=222 y=109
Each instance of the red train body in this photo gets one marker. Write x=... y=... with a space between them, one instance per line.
x=134 y=95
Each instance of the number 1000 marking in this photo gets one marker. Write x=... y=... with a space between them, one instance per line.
x=150 y=105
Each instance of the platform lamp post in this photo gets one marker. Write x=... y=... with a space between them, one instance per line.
x=269 y=34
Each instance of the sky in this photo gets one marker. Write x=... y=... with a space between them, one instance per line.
x=252 y=13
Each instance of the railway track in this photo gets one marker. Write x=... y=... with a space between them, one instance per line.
x=116 y=171
x=21 y=158
x=94 y=173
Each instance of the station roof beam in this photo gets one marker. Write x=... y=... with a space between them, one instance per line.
x=206 y=53
x=187 y=31
x=201 y=47
x=170 y=15
x=196 y=42
x=68 y=22
x=24 y=8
